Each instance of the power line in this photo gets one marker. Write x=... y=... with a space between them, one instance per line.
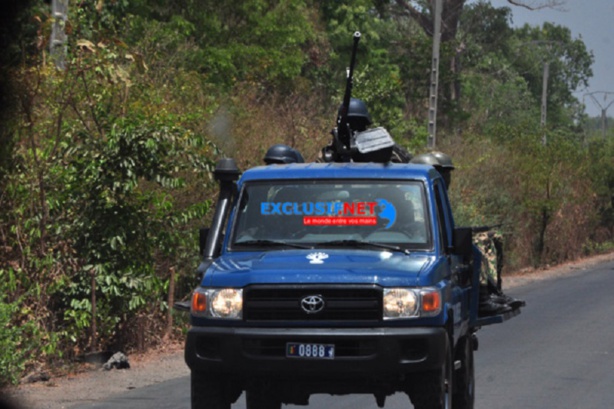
x=604 y=109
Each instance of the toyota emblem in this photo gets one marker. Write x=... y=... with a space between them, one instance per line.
x=312 y=304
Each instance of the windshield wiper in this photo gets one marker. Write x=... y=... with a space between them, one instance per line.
x=363 y=243
x=271 y=243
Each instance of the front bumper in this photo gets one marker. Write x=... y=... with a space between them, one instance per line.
x=245 y=353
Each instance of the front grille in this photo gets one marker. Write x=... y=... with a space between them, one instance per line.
x=283 y=303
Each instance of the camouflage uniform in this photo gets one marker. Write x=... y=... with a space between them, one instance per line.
x=490 y=245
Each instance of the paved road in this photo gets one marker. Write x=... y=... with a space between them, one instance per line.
x=559 y=353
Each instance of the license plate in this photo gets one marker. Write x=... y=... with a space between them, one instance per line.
x=310 y=351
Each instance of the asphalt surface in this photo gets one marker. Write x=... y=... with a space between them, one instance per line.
x=559 y=353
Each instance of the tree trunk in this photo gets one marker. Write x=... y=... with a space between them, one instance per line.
x=171 y=301
x=94 y=339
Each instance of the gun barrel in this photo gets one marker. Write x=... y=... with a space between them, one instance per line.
x=484 y=229
x=342 y=134
x=350 y=73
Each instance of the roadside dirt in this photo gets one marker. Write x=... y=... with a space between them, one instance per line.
x=167 y=363
x=95 y=383
x=528 y=276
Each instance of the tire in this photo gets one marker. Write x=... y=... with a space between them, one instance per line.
x=435 y=389
x=207 y=393
x=464 y=378
x=261 y=399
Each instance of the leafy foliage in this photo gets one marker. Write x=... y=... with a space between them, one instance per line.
x=17 y=342
x=100 y=201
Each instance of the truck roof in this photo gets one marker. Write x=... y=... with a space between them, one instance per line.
x=352 y=170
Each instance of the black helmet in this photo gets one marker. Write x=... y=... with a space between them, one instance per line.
x=426 y=159
x=282 y=154
x=357 y=112
x=444 y=160
x=358 y=109
x=443 y=164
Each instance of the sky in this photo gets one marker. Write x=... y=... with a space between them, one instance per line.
x=593 y=21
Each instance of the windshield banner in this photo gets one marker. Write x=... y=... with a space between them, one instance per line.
x=334 y=213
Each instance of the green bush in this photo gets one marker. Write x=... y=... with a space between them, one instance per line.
x=544 y=196
x=18 y=338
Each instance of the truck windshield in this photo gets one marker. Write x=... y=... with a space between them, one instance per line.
x=317 y=213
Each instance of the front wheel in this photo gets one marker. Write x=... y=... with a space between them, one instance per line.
x=207 y=393
x=464 y=378
x=434 y=391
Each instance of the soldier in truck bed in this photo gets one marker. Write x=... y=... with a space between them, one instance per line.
x=281 y=154
x=359 y=120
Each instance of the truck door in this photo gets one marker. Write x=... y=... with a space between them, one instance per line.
x=444 y=215
x=446 y=228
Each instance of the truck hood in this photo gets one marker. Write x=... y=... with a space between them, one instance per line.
x=340 y=266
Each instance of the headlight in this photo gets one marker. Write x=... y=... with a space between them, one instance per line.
x=400 y=303
x=227 y=303
x=224 y=303
x=411 y=303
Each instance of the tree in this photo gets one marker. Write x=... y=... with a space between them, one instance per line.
x=267 y=43
x=421 y=11
x=511 y=61
x=377 y=78
x=569 y=64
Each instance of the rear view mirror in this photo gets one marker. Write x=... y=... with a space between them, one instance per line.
x=463 y=241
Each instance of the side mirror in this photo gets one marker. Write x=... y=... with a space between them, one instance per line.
x=463 y=241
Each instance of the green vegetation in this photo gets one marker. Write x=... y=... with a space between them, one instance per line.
x=105 y=166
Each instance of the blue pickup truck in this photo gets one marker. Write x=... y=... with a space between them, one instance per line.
x=335 y=278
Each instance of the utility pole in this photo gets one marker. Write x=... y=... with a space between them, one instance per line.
x=545 y=77
x=544 y=108
x=432 y=138
x=57 y=45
